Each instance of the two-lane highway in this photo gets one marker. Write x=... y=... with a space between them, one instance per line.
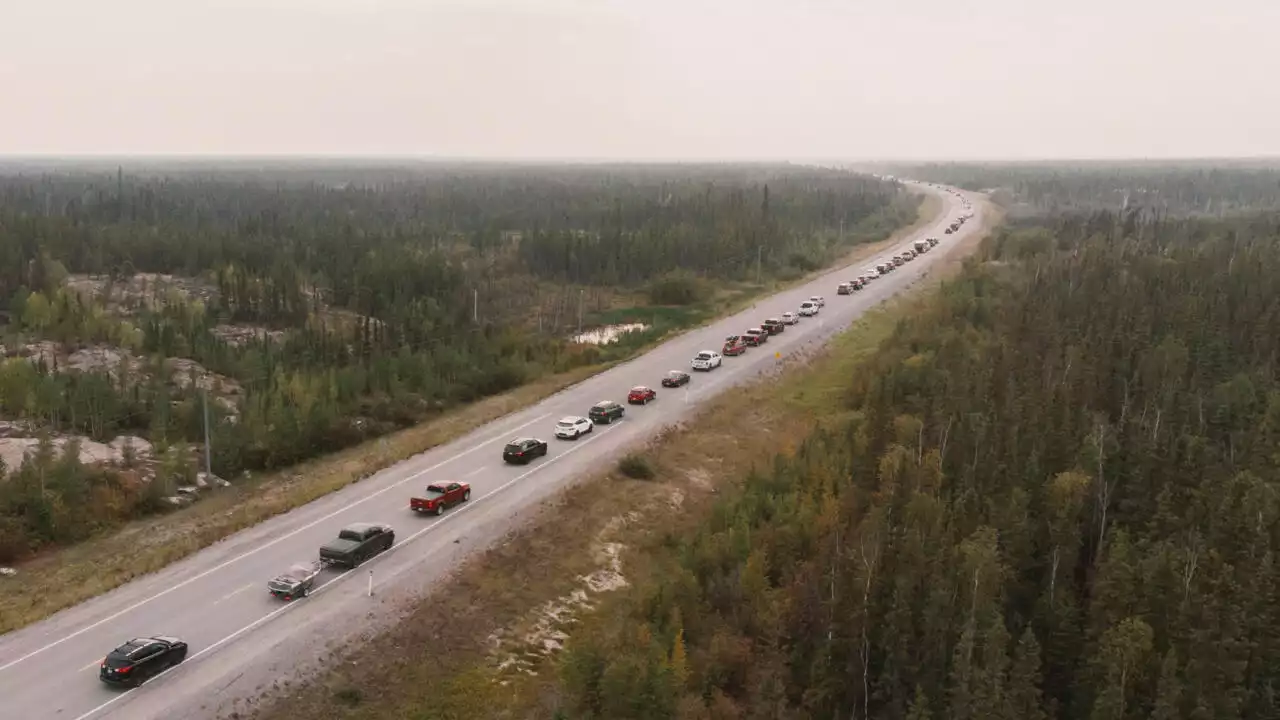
x=216 y=600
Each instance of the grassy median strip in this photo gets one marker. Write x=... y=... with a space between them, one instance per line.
x=481 y=646
x=65 y=577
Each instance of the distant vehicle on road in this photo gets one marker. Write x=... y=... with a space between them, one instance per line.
x=295 y=582
x=755 y=337
x=606 y=411
x=773 y=326
x=706 y=360
x=734 y=345
x=524 y=450
x=440 y=497
x=356 y=543
x=844 y=289
x=817 y=300
x=641 y=395
x=790 y=318
x=808 y=309
x=675 y=378
x=573 y=427
x=141 y=659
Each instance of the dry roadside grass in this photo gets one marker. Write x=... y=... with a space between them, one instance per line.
x=65 y=577
x=480 y=645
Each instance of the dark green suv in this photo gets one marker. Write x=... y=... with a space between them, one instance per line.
x=606 y=411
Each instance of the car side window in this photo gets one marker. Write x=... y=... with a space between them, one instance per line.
x=151 y=651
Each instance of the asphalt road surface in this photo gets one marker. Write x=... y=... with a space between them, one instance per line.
x=240 y=637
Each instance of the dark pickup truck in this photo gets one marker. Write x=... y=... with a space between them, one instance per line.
x=356 y=543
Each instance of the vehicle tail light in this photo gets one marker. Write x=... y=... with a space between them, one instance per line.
x=124 y=669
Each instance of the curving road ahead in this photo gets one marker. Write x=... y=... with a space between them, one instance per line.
x=241 y=638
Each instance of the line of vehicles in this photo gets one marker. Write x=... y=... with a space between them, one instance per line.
x=140 y=659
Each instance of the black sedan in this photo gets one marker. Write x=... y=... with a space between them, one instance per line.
x=675 y=378
x=523 y=450
x=140 y=659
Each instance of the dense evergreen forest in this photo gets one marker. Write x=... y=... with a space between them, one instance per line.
x=1181 y=189
x=1058 y=499
x=317 y=306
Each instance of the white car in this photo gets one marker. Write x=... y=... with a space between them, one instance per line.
x=790 y=318
x=817 y=300
x=808 y=309
x=573 y=427
x=706 y=360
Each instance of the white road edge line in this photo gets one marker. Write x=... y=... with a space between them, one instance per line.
x=264 y=546
x=347 y=572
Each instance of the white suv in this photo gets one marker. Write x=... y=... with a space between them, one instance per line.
x=808 y=309
x=706 y=360
x=573 y=427
x=817 y=300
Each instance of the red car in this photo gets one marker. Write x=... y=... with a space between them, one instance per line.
x=641 y=395
x=733 y=345
x=440 y=497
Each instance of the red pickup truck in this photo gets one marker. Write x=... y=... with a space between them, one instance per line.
x=440 y=497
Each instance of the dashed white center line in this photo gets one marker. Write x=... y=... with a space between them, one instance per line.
x=477 y=471
x=233 y=593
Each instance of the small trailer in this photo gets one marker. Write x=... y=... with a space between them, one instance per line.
x=295 y=582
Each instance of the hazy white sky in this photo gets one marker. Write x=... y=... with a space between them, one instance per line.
x=687 y=79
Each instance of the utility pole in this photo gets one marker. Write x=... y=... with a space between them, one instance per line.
x=208 y=453
x=580 y=294
x=475 y=305
x=759 y=248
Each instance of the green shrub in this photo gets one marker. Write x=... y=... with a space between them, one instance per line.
x=636 y=467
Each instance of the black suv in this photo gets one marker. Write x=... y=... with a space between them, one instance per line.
x=134 y=662
x=522 y=450
x=606 y=411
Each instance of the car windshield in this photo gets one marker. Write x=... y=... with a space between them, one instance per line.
x=566 y=423
x=515 y=447
x=675 y=374
x=704 y=356
x=639 y=389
